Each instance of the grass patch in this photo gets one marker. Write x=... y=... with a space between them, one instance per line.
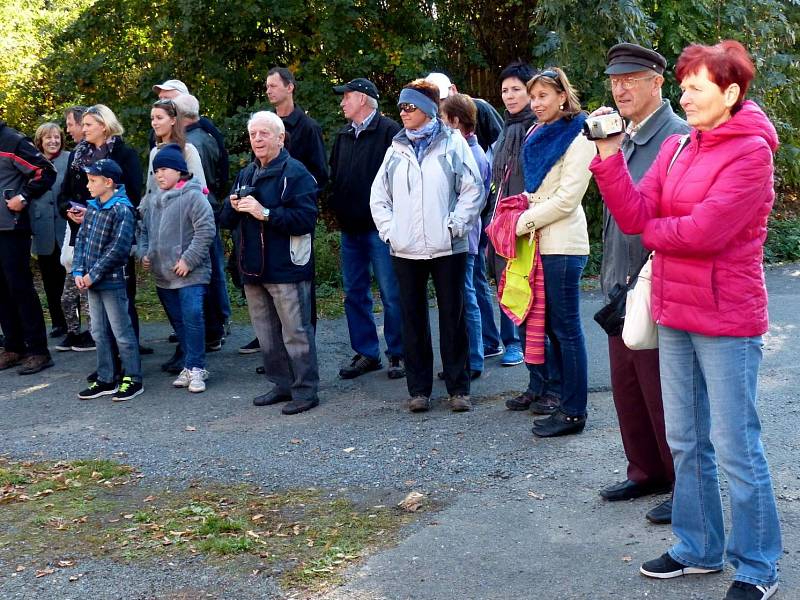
x=83 y=509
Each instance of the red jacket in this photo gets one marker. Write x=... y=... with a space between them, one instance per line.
x=706 y=221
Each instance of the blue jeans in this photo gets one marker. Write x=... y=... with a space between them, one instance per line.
x=281 y=317
x=217 y=304
x=184 y=308
x=359 y=252
x=485 y=297
x=566 y=360
x=709 y=388
x=108 y=310
x=472 y=315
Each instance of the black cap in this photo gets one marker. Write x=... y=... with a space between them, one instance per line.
x=629 y=58
x=365 y=86
x=105 y=167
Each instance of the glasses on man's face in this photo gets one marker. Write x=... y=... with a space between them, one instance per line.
x=407 y=107
x=626 y=83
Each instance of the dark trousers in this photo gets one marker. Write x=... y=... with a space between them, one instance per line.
x=21 y=314
x=53 y=274
x=448 y=273
x=636 y=387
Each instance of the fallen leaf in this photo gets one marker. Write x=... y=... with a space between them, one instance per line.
x=66 y=563
x=349 y=450
x=627 y=559
x=19 y=569
x=191 y=428
x=45 y=571
x=536 y=496
x=412 y=502
x=75 y=577
x=296 y=441
x=149 y=499
x=128 y=516
x=257 y=517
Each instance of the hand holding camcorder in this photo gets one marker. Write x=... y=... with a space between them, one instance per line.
x=603 y=126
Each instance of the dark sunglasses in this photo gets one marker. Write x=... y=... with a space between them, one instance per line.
x=550 y=75
x=407 y=107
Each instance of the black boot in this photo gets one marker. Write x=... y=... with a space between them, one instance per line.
x=558 y=424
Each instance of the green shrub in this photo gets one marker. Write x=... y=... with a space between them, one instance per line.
x=783 y=240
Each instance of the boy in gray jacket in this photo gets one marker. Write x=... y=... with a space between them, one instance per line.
x=177 y=231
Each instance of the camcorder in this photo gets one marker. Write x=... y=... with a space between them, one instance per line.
x=603 y=126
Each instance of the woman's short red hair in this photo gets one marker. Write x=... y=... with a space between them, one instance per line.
x=727 y=62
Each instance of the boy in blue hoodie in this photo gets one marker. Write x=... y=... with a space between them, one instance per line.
x=102 y=248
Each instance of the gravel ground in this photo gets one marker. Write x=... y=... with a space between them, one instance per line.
x=479 y=466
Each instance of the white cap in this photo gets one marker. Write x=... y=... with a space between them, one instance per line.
x=171 y=84
x=442 y=81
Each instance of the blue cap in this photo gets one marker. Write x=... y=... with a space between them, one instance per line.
x=105 y=167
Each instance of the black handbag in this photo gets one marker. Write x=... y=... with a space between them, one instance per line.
x=612 y=316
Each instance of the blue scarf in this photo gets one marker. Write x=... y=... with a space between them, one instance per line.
x=421 y=138
x=545 y=146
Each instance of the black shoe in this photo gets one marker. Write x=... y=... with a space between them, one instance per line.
x=128 y=389
x=396 y=369
x=85 y=343
x=297 y=406
x=558 y=424
x=215 y=345
x=521 y=402
x=666 y=567
x=741 y=590
x=145 y=350
x=660 y=514
x=250 y=348
x=35 y=363
x=58 y=332
x=175 y=364
x=359 y=365
x=545 y=405
x=270 y=398
x=173 y=338
x=628 y=490
x=69 y=341
x=97 y=389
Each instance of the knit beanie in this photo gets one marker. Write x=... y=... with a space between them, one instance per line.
x=170 y=156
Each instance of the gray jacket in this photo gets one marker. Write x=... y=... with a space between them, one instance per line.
x=178 y=223
x=624 y=254
x=47 y=224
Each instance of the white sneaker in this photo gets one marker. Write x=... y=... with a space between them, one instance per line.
x=183 y=379
x=197 y=381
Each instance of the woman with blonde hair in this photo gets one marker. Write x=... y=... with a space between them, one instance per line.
x=102 y=138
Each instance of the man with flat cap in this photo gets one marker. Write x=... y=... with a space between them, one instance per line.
x=636 y=77
x=357 y=153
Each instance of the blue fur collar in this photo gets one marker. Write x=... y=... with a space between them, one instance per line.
x=545 y=146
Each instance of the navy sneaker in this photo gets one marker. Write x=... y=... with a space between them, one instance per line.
x=741 y=590
x=666 y=567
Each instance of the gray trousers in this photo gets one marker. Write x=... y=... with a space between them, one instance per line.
x=281 y=317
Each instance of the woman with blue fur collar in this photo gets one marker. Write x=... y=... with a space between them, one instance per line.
x=424 y=200
x=555 y=159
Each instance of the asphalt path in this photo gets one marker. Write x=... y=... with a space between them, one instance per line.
x=510 y=516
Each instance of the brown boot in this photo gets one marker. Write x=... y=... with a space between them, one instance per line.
x=419 y=404
x=460 y=403
x=9 y=359
x=35 y=363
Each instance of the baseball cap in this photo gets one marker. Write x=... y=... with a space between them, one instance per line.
x=365 y=86
x=442 y=81
x=105 y=167
x=171 y=84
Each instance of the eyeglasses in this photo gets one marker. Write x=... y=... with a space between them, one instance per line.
x=407 y=107
x=626 y=83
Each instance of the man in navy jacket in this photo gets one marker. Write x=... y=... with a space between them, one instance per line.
x=273 y=206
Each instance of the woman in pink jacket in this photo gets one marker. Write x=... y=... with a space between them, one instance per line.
x=703 y=209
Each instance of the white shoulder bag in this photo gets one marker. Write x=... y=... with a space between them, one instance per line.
x=639 y=331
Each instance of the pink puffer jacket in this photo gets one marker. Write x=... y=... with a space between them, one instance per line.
x=706 y=221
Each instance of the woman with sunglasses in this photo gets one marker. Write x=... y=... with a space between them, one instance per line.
x=425 y=200
x=555 y=160
x=102 y=138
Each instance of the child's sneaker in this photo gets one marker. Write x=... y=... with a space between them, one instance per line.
x=197 y=381
x=97 y=389
x=183 y=379
x=128 y=389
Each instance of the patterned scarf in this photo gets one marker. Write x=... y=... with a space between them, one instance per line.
x=421 y=138
x=86 y=154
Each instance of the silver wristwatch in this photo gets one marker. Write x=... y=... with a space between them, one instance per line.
x=265 y=213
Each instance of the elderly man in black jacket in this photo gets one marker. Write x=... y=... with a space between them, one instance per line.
x=25 y=174
x=355 y=159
